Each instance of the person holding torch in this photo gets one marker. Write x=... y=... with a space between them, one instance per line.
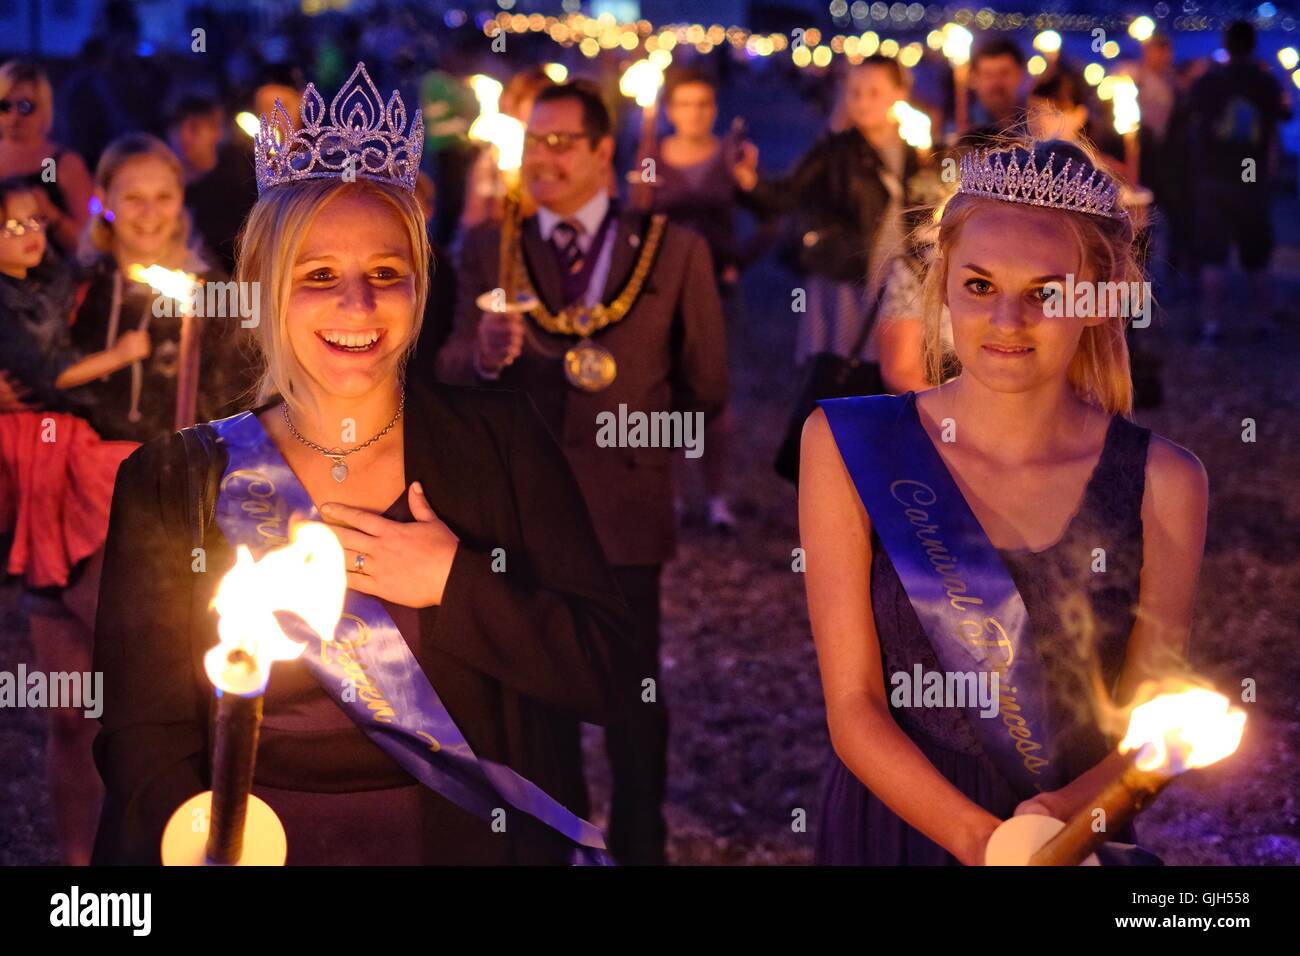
x=140 y=232
x=485 y=187
x=923 y=557
x=438 y=723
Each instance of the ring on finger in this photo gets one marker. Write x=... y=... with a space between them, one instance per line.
x=359 y=563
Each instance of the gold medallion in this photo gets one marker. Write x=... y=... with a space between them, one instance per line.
x=589 y=366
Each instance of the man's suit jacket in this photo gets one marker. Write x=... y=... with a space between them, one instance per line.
x=671 y=354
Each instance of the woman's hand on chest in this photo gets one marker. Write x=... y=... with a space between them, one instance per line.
x=404 y=562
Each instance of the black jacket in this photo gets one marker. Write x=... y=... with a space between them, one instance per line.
x=518 y=658
x=840 y=197
x=225 y=356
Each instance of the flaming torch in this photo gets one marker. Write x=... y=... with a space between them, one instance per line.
x=1167 y=735
x=505 y=136
x=957 y=42
x=1123 y=94
x=641 y=82
x=182 y=287
x=306 y=577
x=913 y=127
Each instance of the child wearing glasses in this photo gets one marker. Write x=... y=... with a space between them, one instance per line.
x=56 y=485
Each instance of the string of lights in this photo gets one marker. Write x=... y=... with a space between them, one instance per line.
x=813 y=48
x=594 y=34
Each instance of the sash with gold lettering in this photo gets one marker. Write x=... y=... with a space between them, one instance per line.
x=395 y=704
x=956 y=581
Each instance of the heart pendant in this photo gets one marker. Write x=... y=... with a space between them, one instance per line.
x=339 y=471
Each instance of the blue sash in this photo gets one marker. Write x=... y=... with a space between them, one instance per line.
x=394 y=703
x=960 y=589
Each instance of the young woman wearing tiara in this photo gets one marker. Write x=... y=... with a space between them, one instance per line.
x=1009 y=523
x=479 y=604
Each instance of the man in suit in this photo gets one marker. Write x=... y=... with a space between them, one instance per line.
x=669 y=349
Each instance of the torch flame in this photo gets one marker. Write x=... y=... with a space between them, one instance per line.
x=173 y=283
x=913 y=124
x=494 y=127
x=641 y=82
x=1182 y=731
x=487 y=91
x=505 y=133
x=306 y=576
x=957 y=42
x=249 y=123
x=1123 y=93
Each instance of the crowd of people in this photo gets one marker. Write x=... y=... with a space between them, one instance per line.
x=372 y=301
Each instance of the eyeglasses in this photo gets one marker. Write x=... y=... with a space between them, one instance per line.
x=556 y=142
x=20 y=227
x=25 y=107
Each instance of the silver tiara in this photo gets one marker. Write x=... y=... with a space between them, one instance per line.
x=983 y=173
x=362 y=136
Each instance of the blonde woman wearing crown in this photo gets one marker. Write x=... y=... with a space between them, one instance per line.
x=480 y=607
x=1011 y=522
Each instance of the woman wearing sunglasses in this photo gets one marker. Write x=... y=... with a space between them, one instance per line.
x=26 y=151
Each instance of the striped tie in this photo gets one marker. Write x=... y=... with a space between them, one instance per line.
x=568 y=251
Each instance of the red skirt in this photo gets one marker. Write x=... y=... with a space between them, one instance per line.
x=56 y=489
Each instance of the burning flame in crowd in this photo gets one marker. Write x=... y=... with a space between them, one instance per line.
x=957 y=42
x=913 y=124
x=492 y=126
x=173 y=283
x=306 y=577
x=1123 y=94
x=641 y=82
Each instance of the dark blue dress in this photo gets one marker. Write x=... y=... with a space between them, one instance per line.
x=349 y=813
x=1077 y=617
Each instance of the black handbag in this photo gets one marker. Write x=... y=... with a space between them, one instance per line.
x=830 y=375
x=830 y=250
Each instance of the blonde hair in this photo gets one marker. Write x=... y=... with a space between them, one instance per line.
x=1099 y=371
x=24 y=71
x=268 y=246
x=98 y=237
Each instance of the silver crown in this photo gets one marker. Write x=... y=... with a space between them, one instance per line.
x=363 y=137
x=983 y=173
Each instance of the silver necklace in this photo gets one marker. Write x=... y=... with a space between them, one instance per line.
x=339 y=471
